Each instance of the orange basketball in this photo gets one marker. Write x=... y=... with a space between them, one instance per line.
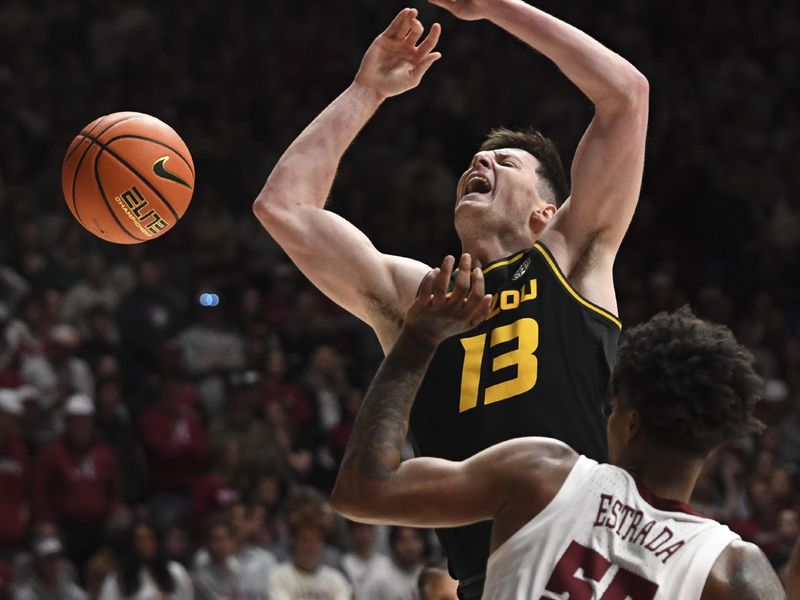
x=127 y=177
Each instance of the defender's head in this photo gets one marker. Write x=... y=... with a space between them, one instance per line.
x=515 y=184
x=683 y=385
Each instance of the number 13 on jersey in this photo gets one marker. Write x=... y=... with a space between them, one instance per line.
x=526 y=333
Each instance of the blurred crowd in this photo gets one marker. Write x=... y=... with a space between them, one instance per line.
x=153 y=447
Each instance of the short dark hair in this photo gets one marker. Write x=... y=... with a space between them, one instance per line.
x=551 y=170
x=693 y=384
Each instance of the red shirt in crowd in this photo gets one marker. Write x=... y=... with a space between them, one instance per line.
x=15 y=492
x=176 y=447
x=73 y=486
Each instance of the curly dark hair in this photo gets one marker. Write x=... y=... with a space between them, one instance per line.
x=554 y=186
x=693 y=384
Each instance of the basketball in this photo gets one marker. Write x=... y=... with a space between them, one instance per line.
x=127 y=177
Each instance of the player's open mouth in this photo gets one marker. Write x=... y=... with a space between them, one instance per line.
x=477 y=184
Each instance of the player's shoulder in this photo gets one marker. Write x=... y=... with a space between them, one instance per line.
x=529 y=467
x=743 y=572
x=536 y=452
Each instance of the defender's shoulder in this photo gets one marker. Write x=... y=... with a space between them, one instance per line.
x=742 y=572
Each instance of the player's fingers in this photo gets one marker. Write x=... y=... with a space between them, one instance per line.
x=426 y=287
x=415 y=32
x=461 y=287
x=430 y=41
x=425 y=64
x=481 y=312
x=478 y=283
x=398 y=28
x=443 y=279
x=476 y=293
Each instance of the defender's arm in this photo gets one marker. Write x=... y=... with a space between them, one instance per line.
x=332 y=253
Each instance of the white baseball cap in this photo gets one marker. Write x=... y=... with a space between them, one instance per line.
x=10 y=402
x=79 y=405
x=48 y=546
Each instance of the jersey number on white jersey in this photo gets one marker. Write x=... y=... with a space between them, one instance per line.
x=584 y=574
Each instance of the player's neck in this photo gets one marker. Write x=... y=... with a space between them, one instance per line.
x=666 y=475
x=491 y=248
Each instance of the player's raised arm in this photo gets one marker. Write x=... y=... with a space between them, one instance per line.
x=374 y=486
x=608 y=165
x=333 y=254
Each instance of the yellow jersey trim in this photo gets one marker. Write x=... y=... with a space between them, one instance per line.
x=503 y=263
x=560 y=276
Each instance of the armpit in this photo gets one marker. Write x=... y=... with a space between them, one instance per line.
x=386 y=310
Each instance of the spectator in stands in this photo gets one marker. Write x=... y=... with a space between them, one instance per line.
x=267 y=492
x=340 y=434
x=88 y=294
x=147 y=316
x=48 y=580
x=277 y=386
x=144 y=573
x=304 y=575
x=177 y=545
x=10 y=376
x=362 y=562
x=256 y=446
x=327 y=383
x=296 y=445
x=211 y=349
x=27 y=334
x=101 y=337
x=435 y=583
x=220 y=577
x=218 y=488
x=15 y=477
x=255 y=562
x=115 y=429
x=77 y=482
x=176 y=449
x=398 y=581
x=56 y=373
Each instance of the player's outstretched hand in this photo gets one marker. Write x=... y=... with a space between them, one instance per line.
x=467 y=10
x=395 y=62
x=438 y=314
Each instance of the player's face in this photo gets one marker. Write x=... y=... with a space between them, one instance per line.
x=498 y=192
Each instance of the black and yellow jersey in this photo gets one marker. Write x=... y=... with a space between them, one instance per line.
x=539 y=365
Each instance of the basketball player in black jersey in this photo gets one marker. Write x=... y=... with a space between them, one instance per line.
x=540 y=364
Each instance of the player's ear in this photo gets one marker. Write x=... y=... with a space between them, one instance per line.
x=633 y=425
x=541 y=216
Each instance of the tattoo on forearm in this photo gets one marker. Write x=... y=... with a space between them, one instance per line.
x=382 y=422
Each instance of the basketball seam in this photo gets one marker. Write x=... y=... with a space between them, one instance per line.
x=96 y=125
x=80 y=160
x=149 y=139
x=105 y=147
x=105 y=199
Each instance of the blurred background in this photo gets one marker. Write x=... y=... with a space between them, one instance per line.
x=139 y=426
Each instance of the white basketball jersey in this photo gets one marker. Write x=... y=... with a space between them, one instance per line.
x=602 y=537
